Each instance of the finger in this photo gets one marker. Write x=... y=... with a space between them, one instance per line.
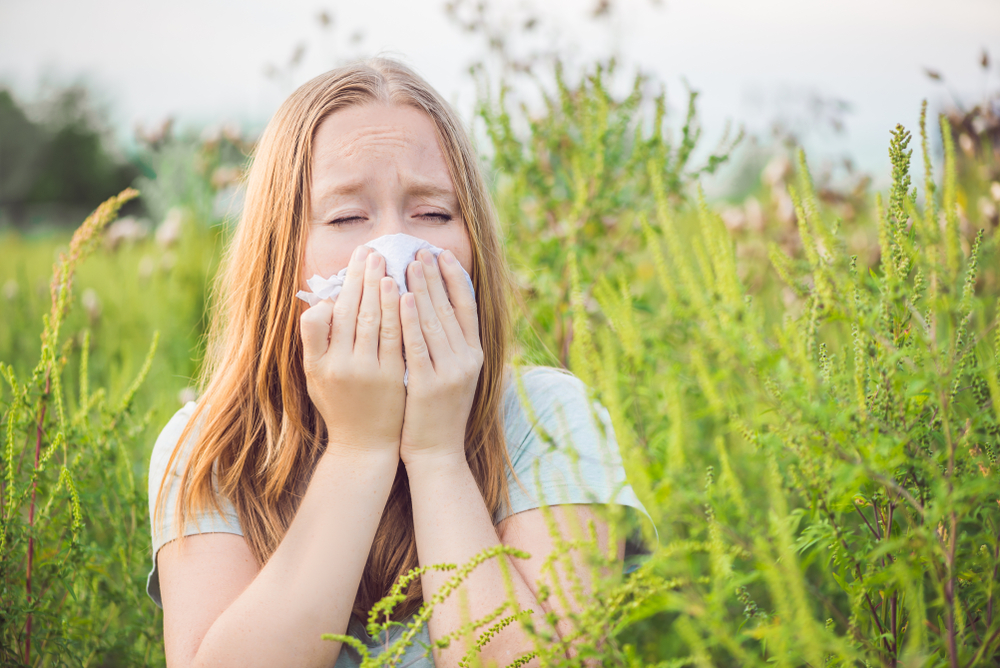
x=417 y=356
x=345 y=311
x=439 y=298
x=430 y=325
x=390 y=345
x=370 y=311
x=315 y=324
x=462 y=299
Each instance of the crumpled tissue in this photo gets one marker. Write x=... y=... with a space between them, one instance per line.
x=399 y=250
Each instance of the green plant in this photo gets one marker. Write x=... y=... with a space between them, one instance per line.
x=73 y=538
x=869 y=414
x=199 y=175
x=572 y=175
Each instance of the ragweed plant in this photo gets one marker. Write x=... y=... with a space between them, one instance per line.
x=380 y=616
x=74 y=525
x=572 y=175
x=851 y=512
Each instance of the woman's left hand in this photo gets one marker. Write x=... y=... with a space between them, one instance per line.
x=443 y=354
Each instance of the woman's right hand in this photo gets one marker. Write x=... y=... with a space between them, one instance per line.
x=353 y=358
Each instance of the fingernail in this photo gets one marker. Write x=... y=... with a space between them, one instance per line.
x=372 y=260
x=448 y=256
x=425 y=256
x=361 y=252
x=418 y=270
x=408 y=300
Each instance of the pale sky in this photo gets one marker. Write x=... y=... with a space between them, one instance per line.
x=202 y=61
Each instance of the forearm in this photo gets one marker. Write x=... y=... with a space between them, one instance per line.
x=452 y=525
x=308 y=586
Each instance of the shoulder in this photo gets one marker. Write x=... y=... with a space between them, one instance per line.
x=546 y=404
x=167 y=446
x=537 y=379
x=562 y=444
x=555 y=430
x=166 y=443
x=171 y=432
x=538 y=389
x=164 y=524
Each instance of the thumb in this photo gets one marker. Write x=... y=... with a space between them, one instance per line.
x=315 y=325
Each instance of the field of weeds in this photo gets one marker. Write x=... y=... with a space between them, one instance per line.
x=805 y=386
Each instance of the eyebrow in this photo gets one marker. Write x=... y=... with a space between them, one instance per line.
x=343 y=189
x=428 y=189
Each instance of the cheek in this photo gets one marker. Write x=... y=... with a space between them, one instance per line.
x=453 y=239
x=324 y=255
x=464 y=256
x=462 y=249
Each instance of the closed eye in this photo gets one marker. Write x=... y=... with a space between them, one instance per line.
x=346 y=219
x=443 y=217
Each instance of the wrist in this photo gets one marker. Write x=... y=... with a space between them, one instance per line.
x=419 y=463
x=361 y=451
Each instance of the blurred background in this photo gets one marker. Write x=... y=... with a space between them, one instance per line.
x=102 y=78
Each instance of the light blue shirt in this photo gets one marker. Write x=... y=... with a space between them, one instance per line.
x=572 y=441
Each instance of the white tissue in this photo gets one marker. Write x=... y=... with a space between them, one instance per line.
x=399 y=250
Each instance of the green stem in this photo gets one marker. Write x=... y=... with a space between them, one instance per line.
x=31 y=513
x=949 y=585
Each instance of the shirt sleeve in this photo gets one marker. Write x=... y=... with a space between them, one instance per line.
x=562 y=445
x=165 y=530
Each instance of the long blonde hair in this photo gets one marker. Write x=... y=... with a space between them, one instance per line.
x=259 y=434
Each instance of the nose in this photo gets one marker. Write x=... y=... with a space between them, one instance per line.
x=389 y=223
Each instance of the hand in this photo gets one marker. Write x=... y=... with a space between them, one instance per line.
x=353 y=358
x=443 y=354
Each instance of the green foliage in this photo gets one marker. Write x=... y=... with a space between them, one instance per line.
x=574 y=175
x=394 y=653
x=868 y=416
x=199 y=175
x=74 y=532
x=61 y=158
x=123 y=295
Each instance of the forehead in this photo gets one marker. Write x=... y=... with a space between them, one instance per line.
x=361 y=135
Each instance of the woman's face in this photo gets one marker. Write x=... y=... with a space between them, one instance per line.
x=379 y=170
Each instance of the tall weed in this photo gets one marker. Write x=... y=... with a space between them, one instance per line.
x=73 y=537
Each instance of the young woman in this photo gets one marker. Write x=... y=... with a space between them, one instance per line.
x=308 y=477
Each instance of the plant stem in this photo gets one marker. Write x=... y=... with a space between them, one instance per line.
x=640 y=424
x=31 y=512
x=984 y=649
x=894 y=599
x=857 y=571
x=888 y=482
x=996 y=573
x=949 y=585
x=870 y=527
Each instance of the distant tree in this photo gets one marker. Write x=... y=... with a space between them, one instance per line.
x=21 y=146
x=57 y=159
